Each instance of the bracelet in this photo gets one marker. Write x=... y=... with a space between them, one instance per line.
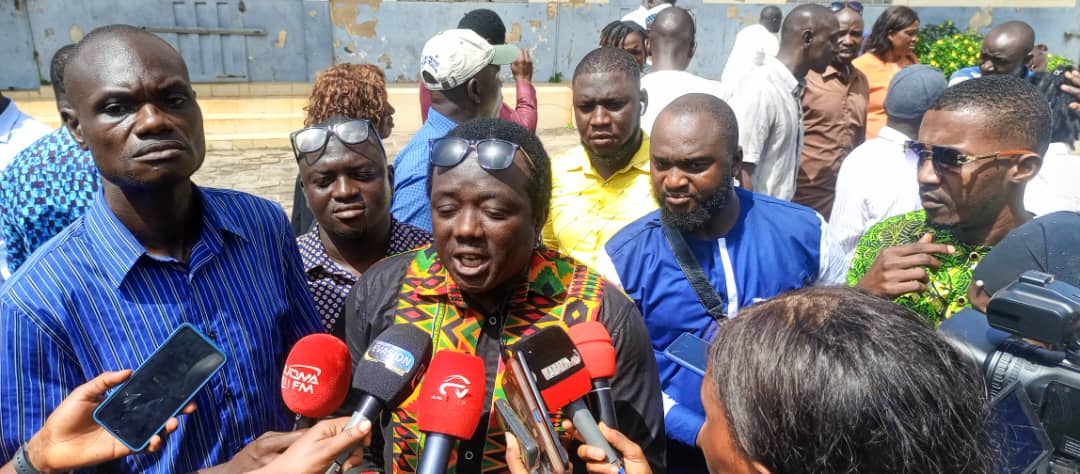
x=22 y=462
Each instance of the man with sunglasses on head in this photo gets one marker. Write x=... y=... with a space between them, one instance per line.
x=978 y=147
x=461 y=69
x=484 y=284
x=346 y=180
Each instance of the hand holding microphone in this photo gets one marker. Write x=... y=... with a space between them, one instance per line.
x=318 y=446
x=450 y=405
x=315 y=379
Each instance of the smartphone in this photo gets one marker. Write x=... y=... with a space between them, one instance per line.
x=511 y=423
x=160 y=387
x=689 y=351
x=523 y=396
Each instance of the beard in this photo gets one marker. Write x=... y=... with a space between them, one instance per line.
x=708 y=207
x=618 y=158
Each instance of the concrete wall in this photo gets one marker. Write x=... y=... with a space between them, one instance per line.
x=301 y=37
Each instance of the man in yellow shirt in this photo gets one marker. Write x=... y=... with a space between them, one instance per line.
x=603 y=184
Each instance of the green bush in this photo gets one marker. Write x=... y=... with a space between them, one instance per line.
x=953 y=52
x=929 y=34
x=1054 y=61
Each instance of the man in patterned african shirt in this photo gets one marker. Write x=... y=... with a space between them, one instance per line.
x=978 y=147
x=347 y=181
x=485 y=283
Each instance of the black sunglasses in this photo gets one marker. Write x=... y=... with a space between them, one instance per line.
x=950 y=158
x=310 y=143
x=491 y=153
x=837 y=6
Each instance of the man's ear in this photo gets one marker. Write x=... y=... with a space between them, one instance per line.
x=807 y=37
x=644 y=100
x=1026 y=168
x=693 y=49
x=736 y=161
x=472 y=89
x=74 y=126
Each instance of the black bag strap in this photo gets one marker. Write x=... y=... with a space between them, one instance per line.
x=707 y=295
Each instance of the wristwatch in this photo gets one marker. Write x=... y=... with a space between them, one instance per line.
x=22 y=462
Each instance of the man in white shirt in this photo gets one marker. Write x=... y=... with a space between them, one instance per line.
x=672 y=46
x=648 y=10
x=878 y=178
x=753 y=44
x=768 y=101
x=17 y=131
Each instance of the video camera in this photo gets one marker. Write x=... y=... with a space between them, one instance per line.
x=1027 y=346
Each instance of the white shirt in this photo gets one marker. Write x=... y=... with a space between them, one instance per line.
x=643 y=16
x=752 y=45
x=1054 y=188
x=663 y=87
x=17 y=131
x=877 y=180
x=767 y=103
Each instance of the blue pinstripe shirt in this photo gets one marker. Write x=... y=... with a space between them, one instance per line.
x=92 y=300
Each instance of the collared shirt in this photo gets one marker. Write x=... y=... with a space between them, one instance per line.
x=663 y=87
x=44 y=188
x=767 y=103
x=948 y=288
x=1054 y=188
x=774 y=246
x=416 y=287
x=329 y=283
x=879 y=74
x=752 y=45
x=411 y=203
x=834 y=119
x=92 y=299
x=974 y=72
x=877 y=180
x=17 y=131
x=586 y=210
x=524 y=112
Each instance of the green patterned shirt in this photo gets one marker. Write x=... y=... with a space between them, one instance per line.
x=948 y=287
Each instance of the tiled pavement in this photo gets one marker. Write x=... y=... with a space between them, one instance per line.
x=271 y=173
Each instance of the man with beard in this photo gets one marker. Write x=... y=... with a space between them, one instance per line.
x=834 y=115
x=709 y=250
x=603 y=184
x=978 y=147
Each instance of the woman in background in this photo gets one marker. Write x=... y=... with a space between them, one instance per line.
x=628 y=36
x=889 y=48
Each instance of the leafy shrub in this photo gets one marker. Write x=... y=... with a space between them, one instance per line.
x=953 y=52
x=929 y=34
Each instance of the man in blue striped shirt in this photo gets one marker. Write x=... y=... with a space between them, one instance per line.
x=152 y=252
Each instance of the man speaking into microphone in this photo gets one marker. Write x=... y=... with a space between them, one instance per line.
x=482 y=286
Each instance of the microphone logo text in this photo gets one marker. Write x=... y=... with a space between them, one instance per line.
x=300 y=378
x=394 y=358
x=456 y=385
x=560 y=366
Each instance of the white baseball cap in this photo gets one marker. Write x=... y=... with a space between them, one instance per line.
x=452 y=57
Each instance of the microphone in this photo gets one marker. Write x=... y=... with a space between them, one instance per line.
x=315 y=379
x=594 y=344
x=387 y=375
x=449 y=407
x=559 y=372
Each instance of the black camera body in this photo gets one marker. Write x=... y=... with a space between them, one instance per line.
x=1029 y=341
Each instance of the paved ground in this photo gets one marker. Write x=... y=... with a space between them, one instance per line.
x=271 y=173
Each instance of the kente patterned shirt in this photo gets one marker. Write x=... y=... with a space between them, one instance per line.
x=414 y=288
x=329 y=283
x=45 y=187
x=948 y=289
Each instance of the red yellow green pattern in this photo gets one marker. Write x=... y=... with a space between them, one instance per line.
x=560 y=291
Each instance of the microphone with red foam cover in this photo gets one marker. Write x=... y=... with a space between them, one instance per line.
x=449 y=407
x=594 y=342
x=316 y=377
x=559 y=372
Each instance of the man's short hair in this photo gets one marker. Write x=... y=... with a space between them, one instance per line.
x=57 y=65
x=710 y=106
x=539 y=188
x=485 y=23
x=606 y=59
x=1010 y=108
x=836 y=380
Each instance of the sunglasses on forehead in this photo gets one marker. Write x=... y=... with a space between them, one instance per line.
x=491 y=153
x=950 y=158
x=310 y=143
x=837 y=6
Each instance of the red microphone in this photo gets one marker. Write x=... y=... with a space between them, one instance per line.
x=316 y=377
x=594 y=343
x=449 y=407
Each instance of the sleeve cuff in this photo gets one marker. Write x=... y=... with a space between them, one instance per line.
x=683 y=424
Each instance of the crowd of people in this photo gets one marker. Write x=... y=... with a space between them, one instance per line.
x=814 y=213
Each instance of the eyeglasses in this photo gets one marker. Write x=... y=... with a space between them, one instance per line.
x=310 y=143
x=949 y=158
x=491 y=153
x=837 y=6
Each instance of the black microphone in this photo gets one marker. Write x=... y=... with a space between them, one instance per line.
x=387 y=375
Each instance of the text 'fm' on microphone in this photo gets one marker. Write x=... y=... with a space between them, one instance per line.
x=449 y=407
x=559 y=372
x=316 y=378
x=386 y=375
x=594 y=343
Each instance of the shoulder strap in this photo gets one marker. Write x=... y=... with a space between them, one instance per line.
x=713 y=303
